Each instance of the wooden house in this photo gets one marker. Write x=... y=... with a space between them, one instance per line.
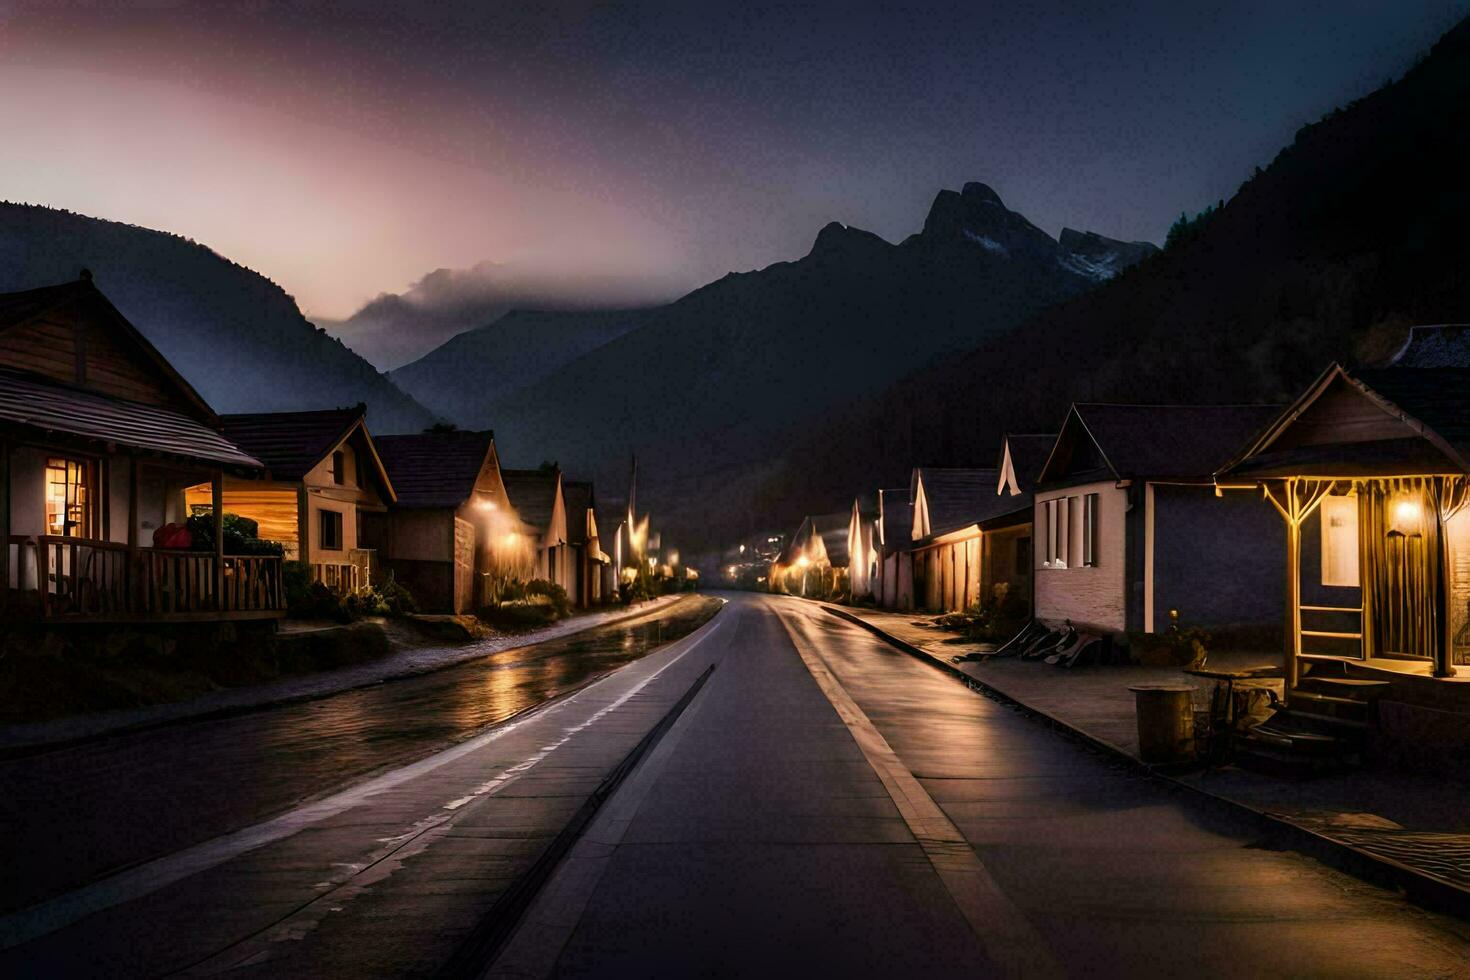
x=894 y=530
x=1128 y=526
x=1369 y=473
x=327 y=496
x=537 y=497
x=965 y=537
x=453 y=538
x=100 y=438
x=1009 y=545
x=587 y=557
x=1368 y=476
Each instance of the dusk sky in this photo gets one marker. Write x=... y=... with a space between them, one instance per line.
x=345 y=150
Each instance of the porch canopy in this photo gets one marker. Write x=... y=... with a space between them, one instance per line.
x=1390 y=448
x=34 y=406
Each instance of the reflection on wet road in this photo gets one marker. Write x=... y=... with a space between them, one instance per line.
x=89 y=809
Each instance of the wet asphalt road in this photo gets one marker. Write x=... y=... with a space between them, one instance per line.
x=73 y=814
x=824 y=804
x=763 y=845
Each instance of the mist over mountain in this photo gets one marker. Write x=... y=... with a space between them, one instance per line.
x=701 y=388
x=234 y=334
x=1353 y=233
x=394 y=329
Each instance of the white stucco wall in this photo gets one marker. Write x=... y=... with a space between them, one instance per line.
x=1095 y=596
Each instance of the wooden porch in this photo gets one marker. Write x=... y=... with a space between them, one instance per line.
x=72 y=580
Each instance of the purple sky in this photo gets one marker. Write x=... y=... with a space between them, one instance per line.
x=344 y=150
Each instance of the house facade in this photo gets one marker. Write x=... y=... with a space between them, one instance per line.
x=537 y=497
x=327 y=494
x=1129 y=527
x=100 y=439
x=587 y=557
x=453 y=538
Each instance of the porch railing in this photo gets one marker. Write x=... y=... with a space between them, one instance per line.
x=82 y=578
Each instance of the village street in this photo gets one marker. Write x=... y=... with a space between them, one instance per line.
x=819 y=802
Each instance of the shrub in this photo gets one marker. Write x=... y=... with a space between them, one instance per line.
x=242 y=536
x=555 y=594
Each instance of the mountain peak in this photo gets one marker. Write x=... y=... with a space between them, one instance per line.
x=980 y=193
x=977 y=215
x=837 y=238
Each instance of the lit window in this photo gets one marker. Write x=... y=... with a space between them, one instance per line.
x=1340 y=541
x=68 y=497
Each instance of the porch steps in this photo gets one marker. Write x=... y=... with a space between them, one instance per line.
x=1325 y=728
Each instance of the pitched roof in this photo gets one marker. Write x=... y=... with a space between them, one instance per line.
x=1439 y=397
x=26 y=305
x=44 y=405
x=576 y=496
x=533 y=494
x=1180 y=442
x=1028 y=454
x=435 y=469
x=1431 y=405
x=957 y=497
x=291 y=443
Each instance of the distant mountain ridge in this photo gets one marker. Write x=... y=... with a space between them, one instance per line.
x=699 y=387
x=235 y=335
x=1352 y=234
x=459 y=378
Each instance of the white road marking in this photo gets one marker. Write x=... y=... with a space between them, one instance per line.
x=1002 y=928
x=125 y=886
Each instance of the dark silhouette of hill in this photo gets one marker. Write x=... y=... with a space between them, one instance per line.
x=1354 y=232
x=467 y=375
x=702 y=387
x=237 y=336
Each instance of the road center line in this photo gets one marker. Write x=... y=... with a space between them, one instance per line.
x=125 y=886
x=1007 y=936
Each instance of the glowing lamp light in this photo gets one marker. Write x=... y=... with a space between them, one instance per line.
x=510 y=540
x=803 y=561
x=1406 y=518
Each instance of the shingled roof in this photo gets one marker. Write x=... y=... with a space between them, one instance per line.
x=291 y=443
x=19 y=308
x=956 y=498
x=435 y=469
x=1432 y=406
x=47 y=407
x=533 y=494
x=1187 y=443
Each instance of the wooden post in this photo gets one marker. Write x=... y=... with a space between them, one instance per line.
x=133 y=581
x=1444 y=654
x=303 y=526
x=217 y=494
x=1293 y=605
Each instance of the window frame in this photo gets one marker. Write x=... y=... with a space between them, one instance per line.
x=1349 y=504
x=339 y=467
x=331 y=518
x=1090 y=506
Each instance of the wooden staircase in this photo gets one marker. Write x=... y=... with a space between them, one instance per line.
x=1324 y=730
